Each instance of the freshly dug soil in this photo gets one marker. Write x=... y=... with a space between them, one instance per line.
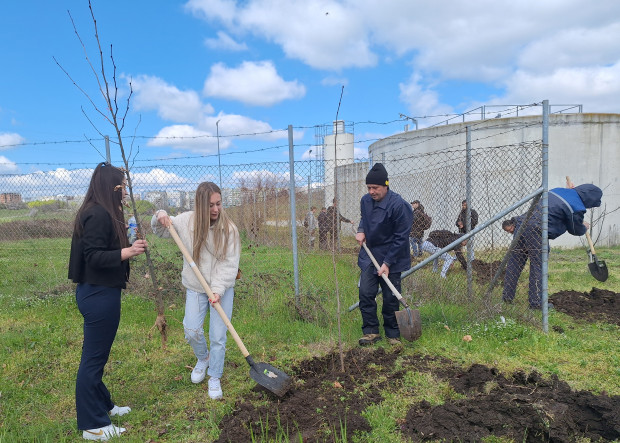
x=327 y=402
x=485 y=272
x=596 y=305
x=520 y=406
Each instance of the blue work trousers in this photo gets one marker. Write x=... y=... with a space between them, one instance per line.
x=369 y=286
x=529 y=246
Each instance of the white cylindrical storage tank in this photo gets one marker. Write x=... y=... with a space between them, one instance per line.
x=337 y=151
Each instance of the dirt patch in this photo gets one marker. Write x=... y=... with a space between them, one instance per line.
x=520 y=406
x=327 y=404
x=596 y=305
x=485 y=272
x=323 y=399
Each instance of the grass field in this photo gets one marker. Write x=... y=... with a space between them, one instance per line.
x=41 y=335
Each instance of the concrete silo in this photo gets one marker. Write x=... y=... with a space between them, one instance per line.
x=337 y=151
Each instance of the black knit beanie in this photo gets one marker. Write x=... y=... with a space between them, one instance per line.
x=377 y=176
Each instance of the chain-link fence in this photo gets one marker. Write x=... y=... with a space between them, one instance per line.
x=258 y=197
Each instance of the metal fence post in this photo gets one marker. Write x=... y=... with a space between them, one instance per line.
x=291 y=160
x=545 y=217
x=470 y=249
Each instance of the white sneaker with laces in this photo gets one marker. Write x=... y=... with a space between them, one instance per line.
x=200 y=371
x=215 y=389
x=119 y=410
x=103 y=434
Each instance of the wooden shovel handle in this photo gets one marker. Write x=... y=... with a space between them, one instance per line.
x=590 y=242
x=207 y=289
x=387 y=280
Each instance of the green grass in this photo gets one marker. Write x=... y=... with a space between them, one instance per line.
x=41 y=335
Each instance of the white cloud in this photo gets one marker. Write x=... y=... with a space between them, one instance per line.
x=242 y=127
x=597 y=86
x=225 y=42
x=7 y=166
x=256 y=178
x=360 y=153
x=157 y=177
x=153 y=93
x=483 y=41
x=253 y=83
x=322 y=34
x=421 y=100
x=8 y=140
x=575 y=47
x=334 y=81
x=187 y=137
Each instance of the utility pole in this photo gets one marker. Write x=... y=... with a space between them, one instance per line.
x=219 y=163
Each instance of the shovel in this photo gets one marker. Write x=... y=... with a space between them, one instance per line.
x=409 y=322
x=264 y=374
x=598 y=269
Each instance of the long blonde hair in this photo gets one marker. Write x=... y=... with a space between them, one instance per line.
x=223 y=227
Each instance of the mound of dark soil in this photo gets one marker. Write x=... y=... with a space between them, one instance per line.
x=597 y=305
x=327 y=403
x=323 y=399
x=520 y=407
x=485 y=272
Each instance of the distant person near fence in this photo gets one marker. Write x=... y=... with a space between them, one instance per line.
x=323 y=228
x=421 y=222
x=311 y=225
x=438 y=240
x=334 y=218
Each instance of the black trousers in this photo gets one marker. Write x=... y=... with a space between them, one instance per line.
x=101 y=308
x=369 y=285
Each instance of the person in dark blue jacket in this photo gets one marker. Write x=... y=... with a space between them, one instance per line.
x=567 y=207
x=385 y=222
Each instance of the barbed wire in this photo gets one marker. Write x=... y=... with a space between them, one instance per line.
x=424 y=139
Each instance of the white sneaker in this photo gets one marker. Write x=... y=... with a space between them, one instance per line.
x=119 y=410
x=215 y=389
x=103 y=434
x=200 y=370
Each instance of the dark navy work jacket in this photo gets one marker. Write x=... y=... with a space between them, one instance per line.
x=386 y=224
x=567 y=208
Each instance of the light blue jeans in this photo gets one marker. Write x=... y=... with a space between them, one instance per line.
x=447 y=258
x=196 y=304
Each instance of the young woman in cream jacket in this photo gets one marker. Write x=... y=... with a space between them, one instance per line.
x=213 y=241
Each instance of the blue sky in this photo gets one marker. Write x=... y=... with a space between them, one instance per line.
x=257 y=66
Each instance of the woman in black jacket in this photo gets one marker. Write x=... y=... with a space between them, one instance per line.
x=99 y=264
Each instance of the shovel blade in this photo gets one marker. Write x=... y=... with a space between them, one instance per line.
x=598 y=269
x=409 y=323
x=269 y=377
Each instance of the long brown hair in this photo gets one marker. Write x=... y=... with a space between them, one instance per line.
x=104 y=191
x=223 y=227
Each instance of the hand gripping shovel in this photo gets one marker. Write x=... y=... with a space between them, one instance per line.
x=264 y=374
x=598 y=269
x=409 y=322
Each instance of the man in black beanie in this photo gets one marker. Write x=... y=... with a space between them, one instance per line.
x=385 y=222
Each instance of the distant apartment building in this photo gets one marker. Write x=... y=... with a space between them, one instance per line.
x=10 y=198
x=231 y=197
x=159 y=199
